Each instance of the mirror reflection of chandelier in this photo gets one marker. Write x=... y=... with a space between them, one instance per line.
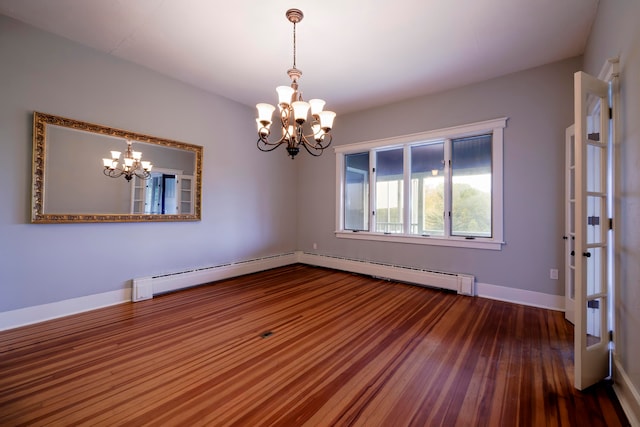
x=294 y=113
x=132 y=165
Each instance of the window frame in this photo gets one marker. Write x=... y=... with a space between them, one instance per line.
x=494 y=127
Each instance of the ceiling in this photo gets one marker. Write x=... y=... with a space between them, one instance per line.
x=355 y=54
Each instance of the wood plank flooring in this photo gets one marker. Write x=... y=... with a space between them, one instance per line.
x=300 y=346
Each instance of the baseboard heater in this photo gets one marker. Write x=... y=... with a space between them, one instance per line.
x=146 y=287
x=461 y=283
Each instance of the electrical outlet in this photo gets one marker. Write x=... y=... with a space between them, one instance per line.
x=553 y=274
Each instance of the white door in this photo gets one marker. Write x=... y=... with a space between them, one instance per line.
x=591 y=230
x=138 y=194
x=185 y=183
x=569 y=225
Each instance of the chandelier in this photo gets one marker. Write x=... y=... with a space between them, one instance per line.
x=312 y=133
x=132 y=165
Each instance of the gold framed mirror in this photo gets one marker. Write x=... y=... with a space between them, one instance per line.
x=77 y=176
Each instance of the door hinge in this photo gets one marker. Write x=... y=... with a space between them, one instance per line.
x=610 y=113
x=610 y=223
x=610 y=336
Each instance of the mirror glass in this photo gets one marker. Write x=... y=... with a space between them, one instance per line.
x=71 y=182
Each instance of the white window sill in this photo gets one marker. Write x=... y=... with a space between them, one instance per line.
x=459 y=242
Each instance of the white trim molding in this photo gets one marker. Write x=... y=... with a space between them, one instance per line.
x=626 y=393
x=40 y=313
x=521 y=296
x=462 y=283
x=147 y=287
x=458 y=242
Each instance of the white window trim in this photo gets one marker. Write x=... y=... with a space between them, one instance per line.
x=495 y=126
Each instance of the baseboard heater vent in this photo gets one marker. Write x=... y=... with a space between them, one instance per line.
x=461 y=283
x=146 y=287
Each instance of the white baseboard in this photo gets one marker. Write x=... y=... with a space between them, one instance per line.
x=627 y=394
x=40 y=313
x=484 y=290
x=146 y=287
x=520 y=296
x=461 y=283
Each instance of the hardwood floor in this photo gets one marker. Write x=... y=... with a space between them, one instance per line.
x=300 y=346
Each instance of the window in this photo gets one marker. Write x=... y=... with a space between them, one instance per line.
x=471 y=186
x=389 y=191
x=356 y=190
x=441 y=187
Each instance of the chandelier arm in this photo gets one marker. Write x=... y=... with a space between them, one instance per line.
x=314 y=149
x=113 y=173
x=328 y=143
x=319 y=145
x=315 y=152
x=128 y=174
x=142 y=174
x=267 y=146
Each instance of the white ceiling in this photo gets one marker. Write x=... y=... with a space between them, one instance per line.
x=354 y=54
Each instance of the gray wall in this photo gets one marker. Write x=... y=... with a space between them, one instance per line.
x=247 y=205
x=616 y=33
x=539 y=104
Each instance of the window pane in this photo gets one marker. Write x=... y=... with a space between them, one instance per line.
x=471 y=186
x=389 y=188
x=427 y=189
x=356 y=191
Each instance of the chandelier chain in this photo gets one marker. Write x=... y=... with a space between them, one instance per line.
x=294 y=45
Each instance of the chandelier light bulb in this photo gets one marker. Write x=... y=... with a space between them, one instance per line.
x=318 y=133
x=316 y=106
x=265 y=112
x=263 y=129
x=300 y=111
x=285 y=94
x=326 y=120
